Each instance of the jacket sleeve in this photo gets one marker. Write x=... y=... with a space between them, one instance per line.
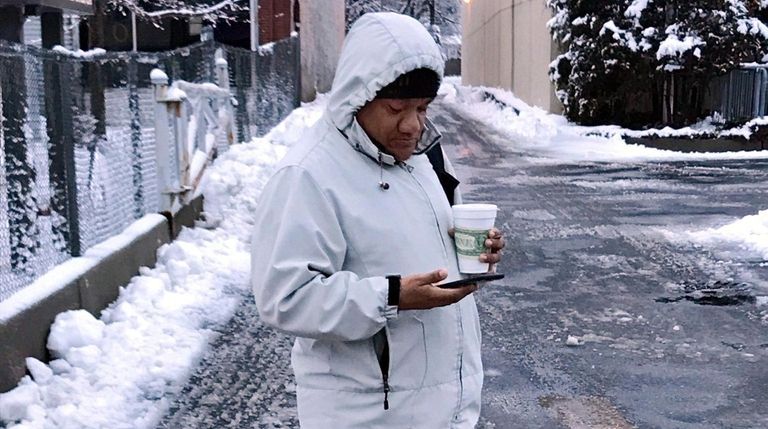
x=297 y=253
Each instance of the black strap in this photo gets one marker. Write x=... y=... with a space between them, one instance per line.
x=448 y=182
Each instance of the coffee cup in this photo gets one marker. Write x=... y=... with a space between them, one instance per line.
x=471 y=224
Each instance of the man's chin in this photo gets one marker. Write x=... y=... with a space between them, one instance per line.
x=405 y=154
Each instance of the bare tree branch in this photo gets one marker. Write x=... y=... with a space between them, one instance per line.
x=224 y=9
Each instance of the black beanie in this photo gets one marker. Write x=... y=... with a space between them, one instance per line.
x=419 y=83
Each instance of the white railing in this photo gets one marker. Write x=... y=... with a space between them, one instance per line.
x=189 y=118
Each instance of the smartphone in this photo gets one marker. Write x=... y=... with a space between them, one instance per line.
x=476 y=278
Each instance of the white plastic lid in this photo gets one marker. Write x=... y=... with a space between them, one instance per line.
x=475 y=211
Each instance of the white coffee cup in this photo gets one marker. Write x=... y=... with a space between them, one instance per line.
x=471 y=223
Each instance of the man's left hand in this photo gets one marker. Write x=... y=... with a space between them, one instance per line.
x=494 y=244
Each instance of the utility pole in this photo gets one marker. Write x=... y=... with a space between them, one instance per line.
x=254 y=6
x=134 y=36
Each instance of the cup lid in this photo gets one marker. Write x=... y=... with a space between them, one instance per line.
x=460 y=208
x=475 y=211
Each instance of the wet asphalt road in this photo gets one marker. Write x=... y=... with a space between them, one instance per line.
x=670 y=334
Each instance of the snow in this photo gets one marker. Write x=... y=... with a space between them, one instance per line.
x=118 y=370
x=196 y=90
x=267 y=48
x=188 y=12
x=115 y=372
x=573 y=341
x=749 y=233
x=674 y=47
x=95 y=52
x=69 y=271
x=175 y=94
x=548 y=138
x=157 y=75
x=620 y=35
x=635 y=10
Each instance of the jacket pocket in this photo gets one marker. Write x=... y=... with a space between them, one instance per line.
x=408 y=353
x=354 y=366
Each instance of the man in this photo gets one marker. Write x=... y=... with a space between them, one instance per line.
x=352 y=207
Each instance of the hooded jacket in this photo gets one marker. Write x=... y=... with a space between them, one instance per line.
x=326 y=237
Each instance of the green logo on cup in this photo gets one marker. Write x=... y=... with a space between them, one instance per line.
x=470 y=242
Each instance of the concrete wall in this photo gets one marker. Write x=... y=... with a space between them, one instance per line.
x=507 y=44
x=322 y=35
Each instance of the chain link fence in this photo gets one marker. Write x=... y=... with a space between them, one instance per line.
x=77 y=140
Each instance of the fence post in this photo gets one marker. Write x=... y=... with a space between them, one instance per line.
x=5 y=257
x=222 y=79
x=61 y=169
x=758 y=93
x=222 y=69
x=176 y=103
x=162 y=140
x=297 y=69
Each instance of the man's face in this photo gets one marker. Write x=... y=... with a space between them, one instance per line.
x=396 y=124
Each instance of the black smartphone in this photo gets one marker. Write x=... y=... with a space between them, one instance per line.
x=476 y=278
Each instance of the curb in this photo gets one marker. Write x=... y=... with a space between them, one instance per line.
x=700 y=144
x=93 y=287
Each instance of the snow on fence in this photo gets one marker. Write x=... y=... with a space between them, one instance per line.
x=79 y=135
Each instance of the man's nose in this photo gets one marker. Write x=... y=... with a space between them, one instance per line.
x=410 y=124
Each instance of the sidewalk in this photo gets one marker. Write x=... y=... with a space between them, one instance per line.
x=243 y=380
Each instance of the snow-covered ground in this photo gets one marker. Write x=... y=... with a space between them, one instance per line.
x=117 y=371
x=551 y=138
x=548 y=138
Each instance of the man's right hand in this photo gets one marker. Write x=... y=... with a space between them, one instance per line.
x=418 y=291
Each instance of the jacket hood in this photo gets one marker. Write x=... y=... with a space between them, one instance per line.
x=379 y=48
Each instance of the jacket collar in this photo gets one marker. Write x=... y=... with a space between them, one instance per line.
x=359 y=140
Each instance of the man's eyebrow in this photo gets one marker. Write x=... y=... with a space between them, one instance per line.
x=394 y=102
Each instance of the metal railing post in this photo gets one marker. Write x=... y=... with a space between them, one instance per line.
x=177 y=105
x=162 y=140
x=222 y=79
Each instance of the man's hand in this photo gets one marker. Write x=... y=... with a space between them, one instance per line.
x=494 y=244
x=418 y=291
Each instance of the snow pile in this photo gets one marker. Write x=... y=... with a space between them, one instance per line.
x=117 y=372
x=537 y=133
x=750 y=233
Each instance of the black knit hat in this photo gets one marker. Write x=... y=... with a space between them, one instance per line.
x=419 y=83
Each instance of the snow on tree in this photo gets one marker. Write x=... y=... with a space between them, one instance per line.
x=440 y=17
x=357 y=8
x=209 y=10
x=638 y=62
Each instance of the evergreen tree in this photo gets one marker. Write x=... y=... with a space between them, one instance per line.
x=654 y=56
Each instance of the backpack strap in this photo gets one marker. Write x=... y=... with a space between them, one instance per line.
x=447 y=181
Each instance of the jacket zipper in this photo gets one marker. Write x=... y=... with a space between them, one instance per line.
x=385 y=372
x=458 y=307
x=381 y=350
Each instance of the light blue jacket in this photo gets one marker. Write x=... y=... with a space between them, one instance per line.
x=326 y=237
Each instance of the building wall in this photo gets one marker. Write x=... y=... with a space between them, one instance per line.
x=506 y=43
x=275 y=20
x=322 y=35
